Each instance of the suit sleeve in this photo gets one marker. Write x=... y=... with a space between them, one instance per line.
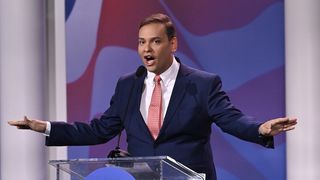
x=230 y=119
x=98 y=131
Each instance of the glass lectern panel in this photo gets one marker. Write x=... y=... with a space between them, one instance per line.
x=139 y=168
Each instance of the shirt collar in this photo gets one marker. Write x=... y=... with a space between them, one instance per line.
x=166 y=76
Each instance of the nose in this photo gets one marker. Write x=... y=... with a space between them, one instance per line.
x=147 y=47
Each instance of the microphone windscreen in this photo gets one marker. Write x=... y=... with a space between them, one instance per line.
x=140 y=71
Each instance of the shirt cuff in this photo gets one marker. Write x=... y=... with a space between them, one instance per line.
x=48 y=129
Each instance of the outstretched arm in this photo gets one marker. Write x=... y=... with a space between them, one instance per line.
x=33 y=124
x=276 y=126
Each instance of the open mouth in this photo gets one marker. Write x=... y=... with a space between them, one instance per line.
x=149 y=57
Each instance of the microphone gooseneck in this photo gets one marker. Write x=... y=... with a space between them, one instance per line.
x=117 y=152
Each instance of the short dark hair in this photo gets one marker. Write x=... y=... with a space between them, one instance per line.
x=161 y=19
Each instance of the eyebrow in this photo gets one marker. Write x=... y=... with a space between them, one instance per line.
x=153 y=38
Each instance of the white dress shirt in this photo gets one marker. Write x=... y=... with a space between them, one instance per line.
x=168 y=78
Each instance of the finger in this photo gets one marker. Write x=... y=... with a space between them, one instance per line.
x=293 y=120
x=289 y=128
x=281 y=120
x=285 y=122
x=12 y=123
x=19 y=124
x=290 y=123
x=278 y=123
x=16 y=123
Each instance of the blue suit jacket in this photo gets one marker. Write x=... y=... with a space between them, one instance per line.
x=196 y=102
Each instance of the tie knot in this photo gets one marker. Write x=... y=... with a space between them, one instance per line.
x=157 y=78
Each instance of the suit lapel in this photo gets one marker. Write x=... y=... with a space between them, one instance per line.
x=177 y=95
x=135 y=105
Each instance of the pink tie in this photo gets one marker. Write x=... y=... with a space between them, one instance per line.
x=155 y=109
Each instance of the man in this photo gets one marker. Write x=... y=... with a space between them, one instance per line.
x=166 y=110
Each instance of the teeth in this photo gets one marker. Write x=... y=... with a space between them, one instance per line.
x=148 y=57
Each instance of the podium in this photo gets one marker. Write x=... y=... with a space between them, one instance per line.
x=138 y=168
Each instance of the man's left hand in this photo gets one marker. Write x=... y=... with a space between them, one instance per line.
x=276 y=126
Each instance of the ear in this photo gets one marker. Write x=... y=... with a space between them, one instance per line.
x=174 y=44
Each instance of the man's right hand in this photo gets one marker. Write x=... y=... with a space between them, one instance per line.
x=33 y=124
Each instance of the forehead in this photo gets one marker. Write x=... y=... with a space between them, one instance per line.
x=152 y=30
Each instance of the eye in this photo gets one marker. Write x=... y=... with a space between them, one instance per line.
x=141 y=42
x=157 y=41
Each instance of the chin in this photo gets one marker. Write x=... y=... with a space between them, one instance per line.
x=150 y=68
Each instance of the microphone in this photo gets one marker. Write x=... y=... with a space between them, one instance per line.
x=117 y=152
x=140 y=71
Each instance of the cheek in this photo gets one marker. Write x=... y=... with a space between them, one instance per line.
x=139 y=50
x=161 y=51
